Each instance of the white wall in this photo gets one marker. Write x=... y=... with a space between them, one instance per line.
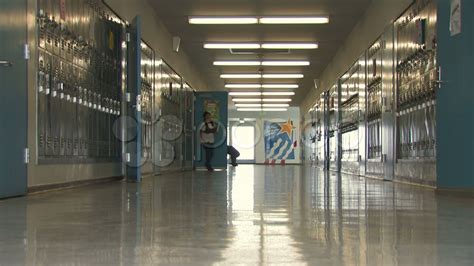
x=293 y=113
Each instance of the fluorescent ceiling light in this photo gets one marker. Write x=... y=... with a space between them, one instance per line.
x=253 y=105
x=277 y=100
x=275 y=105
x=243 y=86
x=275 y=109
x=285 y=63
x=262 y=109
x=262 y=20
x=265 y=86
x=249 y=109
x=290 y=46
x=232 y=46
x=237 y=63
x=280 y=86
x=283 y=93
x=265 y=76
x=248 y=105
x=245 y=93
x=283 y=76
x=241 y=76
x=267 y=93
x=259 y=46
x=253 y=100
x=294 y=20
x=223 y=20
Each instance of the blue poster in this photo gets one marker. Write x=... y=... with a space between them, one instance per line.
x=280 y=143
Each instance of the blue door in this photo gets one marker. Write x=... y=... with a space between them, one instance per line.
x=217 y=104
x=13 y=100
x=455 y=115
x=134 y=130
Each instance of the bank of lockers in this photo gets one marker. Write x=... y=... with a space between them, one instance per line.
x=78 y=82
x=381 y=115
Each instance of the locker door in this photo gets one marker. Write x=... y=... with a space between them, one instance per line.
x=13 y=100
x=134 y=146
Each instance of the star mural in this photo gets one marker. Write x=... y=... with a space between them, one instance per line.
x=287 y=128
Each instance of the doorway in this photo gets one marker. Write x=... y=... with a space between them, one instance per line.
x=242 y=136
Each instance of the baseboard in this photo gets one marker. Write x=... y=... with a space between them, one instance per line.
x=456 y=192
x=69 y=185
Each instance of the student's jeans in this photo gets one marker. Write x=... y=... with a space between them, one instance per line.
x=209 y=154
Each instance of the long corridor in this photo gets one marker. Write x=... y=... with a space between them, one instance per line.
x=253 y=215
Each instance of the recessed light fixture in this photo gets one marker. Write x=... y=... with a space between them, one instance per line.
x=267 y=93
x=280 y=86
x=243 y=86
x=295 y=20
x=241 y=76
x=223 y=20
x=290 y=46
x=248 y=105
x=262 y=109
x=274 y=109
x=265 y=86
x=280 y=105
x=261 y=63
x=275 y=105
x=237 y=63
x=265 y=76
x=245 y=93
x=283 y=93
x=248 y=100
x=256 y=100
x=256 y=20
x=283 y=76
x=285 y=63
x=232 y=46
x=276 y=100
x=260 y=46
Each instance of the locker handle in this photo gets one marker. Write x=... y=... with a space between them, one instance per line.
x=5 y=63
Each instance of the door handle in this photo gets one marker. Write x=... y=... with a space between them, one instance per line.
x=5 y=63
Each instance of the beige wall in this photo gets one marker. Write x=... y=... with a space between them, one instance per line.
x=157 y=36
x=377 y=17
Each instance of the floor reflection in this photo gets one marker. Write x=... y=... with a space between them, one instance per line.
x=247 y=215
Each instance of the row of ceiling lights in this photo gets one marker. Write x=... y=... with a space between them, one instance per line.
x=250 y=104
x=262 y=63
x=251 y=46
x=259 y=20
x=262 y=76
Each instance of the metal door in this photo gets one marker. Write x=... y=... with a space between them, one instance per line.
x=134 y=134
x=13 y=100
x=217 y=104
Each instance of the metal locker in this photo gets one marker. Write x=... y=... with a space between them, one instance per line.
x=42 y=102
x=55 y=109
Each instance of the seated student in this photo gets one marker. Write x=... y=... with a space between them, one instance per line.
x=234 y=154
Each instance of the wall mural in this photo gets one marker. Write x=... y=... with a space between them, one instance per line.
x=280 y=141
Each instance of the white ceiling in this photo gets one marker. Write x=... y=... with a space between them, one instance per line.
x=343 y=14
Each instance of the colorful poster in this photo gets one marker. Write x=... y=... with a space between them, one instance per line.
x=212 y=106
x=280 y=140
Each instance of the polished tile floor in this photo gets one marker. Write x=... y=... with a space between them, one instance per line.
x=251 y=215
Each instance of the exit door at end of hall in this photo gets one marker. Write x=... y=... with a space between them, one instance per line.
x=242 y=136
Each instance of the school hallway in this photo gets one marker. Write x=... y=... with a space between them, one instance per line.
x=252 y=215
